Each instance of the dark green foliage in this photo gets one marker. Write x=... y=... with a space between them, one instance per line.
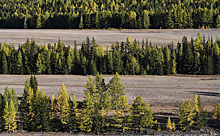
x=190 y=57
x=33 y=83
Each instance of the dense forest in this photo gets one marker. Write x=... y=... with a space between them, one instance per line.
x=194 y=56
x=104 y=109
x=128 y=14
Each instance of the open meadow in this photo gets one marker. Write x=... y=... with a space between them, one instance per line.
x=164 y=93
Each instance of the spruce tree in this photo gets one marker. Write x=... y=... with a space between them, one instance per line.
x=33 y=83
x=85 y=122
x=10 y=117
x=4 y=64
x=141 y=115
x=74 y=117
x=169 y=124
x=19 y=63
x=1 y=112
x=63 y=106
x=116 y=90
x=81 y=25
x=23 y=107
x=200 y=115
x=14 y=97
x=6 y=96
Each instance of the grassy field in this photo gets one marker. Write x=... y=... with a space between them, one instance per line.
x=164 y=93
x=105 y=37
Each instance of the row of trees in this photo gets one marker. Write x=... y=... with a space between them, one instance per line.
x=197 y=56
x=41 y=113
x=88 y=14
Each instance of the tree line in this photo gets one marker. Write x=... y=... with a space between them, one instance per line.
x=132 y=14
x=104 y=109
x=194 y=56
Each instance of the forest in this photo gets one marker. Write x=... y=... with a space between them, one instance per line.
x=105 y=14
x=104 y=109
x=194 y=56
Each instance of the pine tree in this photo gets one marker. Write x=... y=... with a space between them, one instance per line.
x=38 y=23
x=74 y=117
x=63 y=106
x=10 y=117
x=216 y=114
x=81 y=25
x=6 y=96
x=173 y=62
x=173 y=126
x=85 y=122
x=168 y=62
x=186 y=115
x=19 y=63
x=28 y=123
x=169 y=124
x=33 y=83
x=116 y=90
x=93 y=69
x=39 y=65
x=1 y=112
x=141 y=115
x=4 y=64
x=200 y=115
x=14 y=97
x=23 y=107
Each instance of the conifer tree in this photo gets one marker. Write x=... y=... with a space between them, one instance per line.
x=74 y=117
x=63 y=105
x=200 y=115
x=169 y=124
x=173 y=126
x=19 y=63
x=168 y=61
x=4 y=64
x=28 y=123
x=39 y=65
x=81 y=25
x=23 y=107
x=10 y=117
x=141 y=115
x=14 y=97
x=85 y=122
x=1 y=112
x=33 y=83
x=216 y=114
x=116 y=90
x=6 y=96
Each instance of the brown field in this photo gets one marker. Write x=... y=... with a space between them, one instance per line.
x=103 y=37
x=164 y=93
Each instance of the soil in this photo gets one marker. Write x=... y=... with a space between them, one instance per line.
x=160 y=37
x=163 y=93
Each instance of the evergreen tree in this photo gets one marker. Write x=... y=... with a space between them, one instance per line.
x=81 y=25
x=85 y=122
x=39 y=65
x=74 y=117
x=33 y=83
x=10 y=117
x=141 y=115
x=116 y=90
x=4 y=65
x=6 y=96
x=200 y=115
x=19 y=63
x=169 y=124
x=63 y=106
x=1 y=112
x=14 y=98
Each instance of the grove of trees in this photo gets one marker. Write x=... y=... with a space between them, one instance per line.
x=128 y=14
x=194 y=56
x=105 y=109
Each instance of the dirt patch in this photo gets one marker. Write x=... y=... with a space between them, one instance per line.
x=160 y=37
x=164 y=93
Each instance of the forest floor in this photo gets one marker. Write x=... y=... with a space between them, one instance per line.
x=163 y=93
x=160 y=37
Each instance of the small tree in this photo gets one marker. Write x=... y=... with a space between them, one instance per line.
x=10 y=117
x=169 y=124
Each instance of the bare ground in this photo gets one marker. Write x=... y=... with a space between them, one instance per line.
x=164 y=93
x=103 y=37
